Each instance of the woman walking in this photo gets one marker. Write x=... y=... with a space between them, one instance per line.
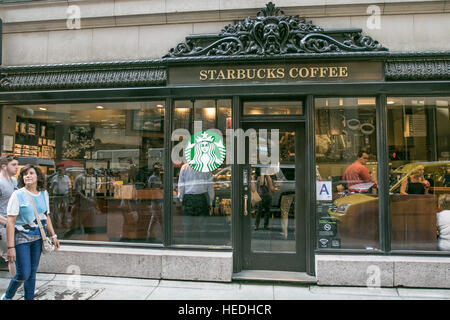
x=24 y=238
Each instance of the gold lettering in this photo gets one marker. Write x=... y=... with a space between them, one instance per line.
x=291 y=73
x=333 y=72
x=251 y=76
x=263 y=71
x=212 y=74
x=343 y=72
x=203 y=75
x=303 y=72
x=323 y=72
x=314 y=71
x=230 y=74
x=271 y=73
x=274 y=73
x=241 y=74
x=221 y=75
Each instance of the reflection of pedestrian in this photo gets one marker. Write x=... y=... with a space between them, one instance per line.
x=265 y=188
x=285 y=207
x=357 y=174
x=86 y=183
x=129 y=209
x=9 y=166
x=446 y=178
x=60 y=187
x=431 y=182
x=156 y=210
x=154 y=181
x=196 y=192
x=85 y=186
x=156 y=203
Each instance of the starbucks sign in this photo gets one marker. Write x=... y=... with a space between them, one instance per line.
x=205 y=151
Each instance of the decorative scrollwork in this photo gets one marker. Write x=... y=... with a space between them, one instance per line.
x=413 y=70
x=270 y=33
x=32 y=79
x=4 y=81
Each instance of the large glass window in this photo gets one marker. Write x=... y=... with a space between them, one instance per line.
x=273 y=108
x=202 y=187
x=346 y=170
x=103 y=163
x=419 y=163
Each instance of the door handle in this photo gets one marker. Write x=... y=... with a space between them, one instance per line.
x=245 y=205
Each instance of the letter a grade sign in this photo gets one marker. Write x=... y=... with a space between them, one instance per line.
x=324 y=191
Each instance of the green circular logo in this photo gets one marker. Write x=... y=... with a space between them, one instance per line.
x=205 y=151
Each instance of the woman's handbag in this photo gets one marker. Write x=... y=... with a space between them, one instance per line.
x=47 y=244
x=255 y=198
x=263 y=188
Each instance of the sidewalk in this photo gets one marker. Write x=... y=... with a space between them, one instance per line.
x=72 y=287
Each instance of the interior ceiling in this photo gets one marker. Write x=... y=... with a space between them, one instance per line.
x=85 y=114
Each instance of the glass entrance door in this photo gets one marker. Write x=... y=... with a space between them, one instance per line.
x=272 y=194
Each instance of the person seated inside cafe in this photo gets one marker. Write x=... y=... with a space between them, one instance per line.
x=443 y=222
x=357 y=176
x=415 y=183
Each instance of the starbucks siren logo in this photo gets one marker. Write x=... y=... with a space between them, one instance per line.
x=205 y=151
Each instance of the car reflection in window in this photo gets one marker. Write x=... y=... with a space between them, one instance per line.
x=357 y=213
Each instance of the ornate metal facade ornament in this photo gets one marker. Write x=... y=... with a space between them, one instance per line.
x=418 y=69
x=270 y=33
x=74 y=77
x=4 y=81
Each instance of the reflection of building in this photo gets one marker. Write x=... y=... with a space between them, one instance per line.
x=155 y=156
x=331 y=91
x=118 y=159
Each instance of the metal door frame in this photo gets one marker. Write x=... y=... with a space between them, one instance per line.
x=278 y=261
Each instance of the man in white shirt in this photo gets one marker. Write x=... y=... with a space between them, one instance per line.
x=60 y=187
x=85 y=188
x=196 y=192
x=9 y=167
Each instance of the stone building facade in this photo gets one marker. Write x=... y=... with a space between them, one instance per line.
x=120 y=76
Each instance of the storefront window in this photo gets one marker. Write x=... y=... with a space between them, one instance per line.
x=419 y=163
x=273 y=108
x=103 y=163
x=202 y=186
x=346 y=170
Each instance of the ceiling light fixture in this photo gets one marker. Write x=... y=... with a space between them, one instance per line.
x=100 y=107
x=42 y=108
x=441 y=103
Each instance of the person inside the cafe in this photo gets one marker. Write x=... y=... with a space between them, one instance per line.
x=416 y=183
x=357 y=176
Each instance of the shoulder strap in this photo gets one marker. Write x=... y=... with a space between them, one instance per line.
x=36 y=215
x=46 y=200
